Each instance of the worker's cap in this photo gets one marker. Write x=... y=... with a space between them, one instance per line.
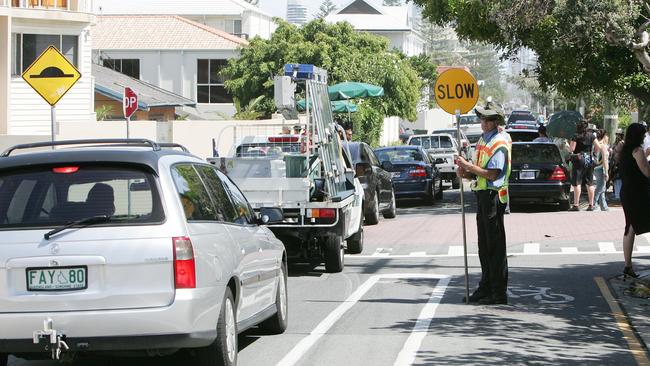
x=491 y=110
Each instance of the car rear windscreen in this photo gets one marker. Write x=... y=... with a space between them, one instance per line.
x=432 y=142
x=469 y=119
x=399 y=155
x=523 y=136
x=535 y=153
x=56 y=195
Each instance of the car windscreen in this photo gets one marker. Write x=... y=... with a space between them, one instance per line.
x=270 y=150
x=469 y=119
x=399 y=155
x=521 y=117
x=432 y=142
x=535 y=153
x=55 y=195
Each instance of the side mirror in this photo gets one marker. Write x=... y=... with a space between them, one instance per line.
x=363 y=169
x=270 y=215
x=386 y=165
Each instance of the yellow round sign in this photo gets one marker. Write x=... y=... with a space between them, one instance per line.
x=456 y=90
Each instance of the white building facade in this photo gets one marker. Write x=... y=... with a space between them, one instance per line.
x=27 y=28
x=236 y=17
x=396 y=23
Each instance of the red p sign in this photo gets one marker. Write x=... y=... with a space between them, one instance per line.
x=130 y=102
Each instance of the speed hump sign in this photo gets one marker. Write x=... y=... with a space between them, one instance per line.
x=456 y=91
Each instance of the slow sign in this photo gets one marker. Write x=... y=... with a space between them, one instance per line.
x=456 y=91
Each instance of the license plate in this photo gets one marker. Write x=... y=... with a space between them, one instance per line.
x=396 y=174
x=57 y=278
x=527 y=174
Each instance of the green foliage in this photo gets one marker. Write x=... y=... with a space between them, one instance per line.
x=346 y=54
x=326 y=8
x=250 y=112
x=367 y=123
x=103 y=112
x=426 y=70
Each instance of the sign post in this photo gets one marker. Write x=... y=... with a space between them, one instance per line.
x=51 y=75
x=130 y=105
x=457 y=92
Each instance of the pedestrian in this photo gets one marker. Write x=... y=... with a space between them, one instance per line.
x=491 y=171
x=635 y=171
x=582 y=147
x=615 y=174
x=542 y=135
x=601 y=170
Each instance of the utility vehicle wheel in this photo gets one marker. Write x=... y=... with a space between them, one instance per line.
x=334 y=259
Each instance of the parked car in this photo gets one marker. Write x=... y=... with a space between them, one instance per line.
x=379 y=195
x=471 y=126
x=125 y=246
x=414 y=173
x=441 y=149
x=538 y=175
x=522 y=134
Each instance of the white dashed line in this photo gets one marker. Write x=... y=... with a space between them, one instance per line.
x=531 y=248
x=572 y=250
x=606 y=247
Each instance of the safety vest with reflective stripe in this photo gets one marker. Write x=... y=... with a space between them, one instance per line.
x=485 y=151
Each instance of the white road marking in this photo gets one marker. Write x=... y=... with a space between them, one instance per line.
x=642 y=249
x=407 y=355
x=417 y=254
x=531 y=248
x=455 y=251
x=572 y=250
x=324 y=326
x=381 y=252
x=607 y=247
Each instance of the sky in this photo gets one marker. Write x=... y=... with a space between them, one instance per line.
x=278 y=8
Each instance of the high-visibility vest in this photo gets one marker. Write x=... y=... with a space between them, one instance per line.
x=485 y=151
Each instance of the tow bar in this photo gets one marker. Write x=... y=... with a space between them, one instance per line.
x=55 y=338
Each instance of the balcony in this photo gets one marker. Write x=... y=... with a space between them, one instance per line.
x=83 y=6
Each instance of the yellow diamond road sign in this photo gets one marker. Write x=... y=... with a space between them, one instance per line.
x=51 y=75
x=456 y=90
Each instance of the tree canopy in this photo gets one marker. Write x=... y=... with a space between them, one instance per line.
x=326 y=8
x=346 y=54
x=583 y=46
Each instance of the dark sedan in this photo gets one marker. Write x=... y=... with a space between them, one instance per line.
x=414 y=174
x=376 y=182
x=538 y=175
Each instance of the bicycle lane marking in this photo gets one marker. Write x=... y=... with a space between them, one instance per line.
x=300 y=349
x=412 y=346
x=633 y=342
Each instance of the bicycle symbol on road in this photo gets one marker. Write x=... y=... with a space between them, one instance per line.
x=541 y=294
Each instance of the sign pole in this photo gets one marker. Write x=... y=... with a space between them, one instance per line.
x=53 y=117
x=128 y=121
x=462 y=211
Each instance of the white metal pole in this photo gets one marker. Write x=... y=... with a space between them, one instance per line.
x=462 y=210
x=128 y=121
x=53 y=117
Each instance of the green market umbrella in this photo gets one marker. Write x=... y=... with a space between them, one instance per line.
x=563 y=124
x=337 y=106
x=351 y=90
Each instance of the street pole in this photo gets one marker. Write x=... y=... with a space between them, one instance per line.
x=462 y=210
x=128 y=121
x=53 y=117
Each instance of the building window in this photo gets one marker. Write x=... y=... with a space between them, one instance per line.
x=126 y=66
x=29 y=46
x=209 y=82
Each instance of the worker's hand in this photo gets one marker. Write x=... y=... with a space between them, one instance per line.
x=461 y=162
x=460 y=172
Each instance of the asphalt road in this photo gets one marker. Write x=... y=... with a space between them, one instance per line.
x=399 y=302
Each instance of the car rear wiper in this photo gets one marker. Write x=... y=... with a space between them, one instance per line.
x=81 y=222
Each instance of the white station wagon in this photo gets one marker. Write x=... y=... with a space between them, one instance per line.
x=126 y=246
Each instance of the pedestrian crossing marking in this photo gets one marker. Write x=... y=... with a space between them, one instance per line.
x=570 y=250
x=607 y=247
x=455 y=251
x=417 y=254
x=643 y=249
x=531 y=248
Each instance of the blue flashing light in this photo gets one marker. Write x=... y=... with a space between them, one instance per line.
x=305 y=72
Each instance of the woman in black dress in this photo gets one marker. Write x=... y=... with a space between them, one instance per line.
x=634 y=170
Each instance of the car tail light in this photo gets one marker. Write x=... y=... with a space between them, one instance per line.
x=558 y=174
x=321 y=213
x=283 y=139
x=184 y=265
x=65 y=169
x=418 y=172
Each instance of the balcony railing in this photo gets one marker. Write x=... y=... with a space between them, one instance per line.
x=69 y=5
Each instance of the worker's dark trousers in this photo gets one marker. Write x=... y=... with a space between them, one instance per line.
x=492 y=244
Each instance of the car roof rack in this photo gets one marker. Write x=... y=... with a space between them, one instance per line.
x=142 y=142
x=173 y=144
